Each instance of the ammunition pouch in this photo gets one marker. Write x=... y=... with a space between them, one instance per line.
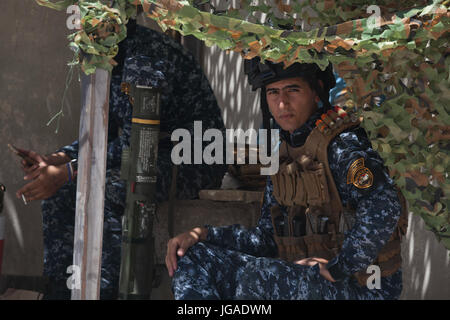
x=294 y=245
x=294 y=185
x=290 y=248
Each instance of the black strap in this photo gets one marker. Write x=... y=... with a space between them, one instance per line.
x=266 y=120
x=172 y=195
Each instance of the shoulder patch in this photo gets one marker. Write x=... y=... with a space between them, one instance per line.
x=360 y=176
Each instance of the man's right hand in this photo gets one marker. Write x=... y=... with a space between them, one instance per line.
x=180 y=244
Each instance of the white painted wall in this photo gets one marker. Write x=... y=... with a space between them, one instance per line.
x=239 y=104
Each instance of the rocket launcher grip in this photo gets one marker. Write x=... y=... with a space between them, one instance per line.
x=139 y=170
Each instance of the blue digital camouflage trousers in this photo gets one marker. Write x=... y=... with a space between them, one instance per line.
x=207 y=271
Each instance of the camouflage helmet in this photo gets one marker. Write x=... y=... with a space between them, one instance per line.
x=261 y=74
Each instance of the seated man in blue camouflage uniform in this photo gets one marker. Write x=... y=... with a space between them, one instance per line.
x=267 y=262
x=146 y=56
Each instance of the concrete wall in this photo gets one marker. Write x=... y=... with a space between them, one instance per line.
x=33 y=57
x=426 y=264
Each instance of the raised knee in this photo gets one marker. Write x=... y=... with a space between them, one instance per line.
x=194 y=260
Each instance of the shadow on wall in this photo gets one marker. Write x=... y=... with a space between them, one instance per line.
x=33 y=63
x=239 y=104
x=426 y=264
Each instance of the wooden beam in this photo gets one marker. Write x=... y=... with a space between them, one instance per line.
x=93 y=136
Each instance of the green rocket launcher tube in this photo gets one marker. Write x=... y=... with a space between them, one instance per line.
x=139 y=170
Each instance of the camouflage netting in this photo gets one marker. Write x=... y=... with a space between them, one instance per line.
x=402 y=56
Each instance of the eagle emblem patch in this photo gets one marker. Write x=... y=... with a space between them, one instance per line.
x=359 y=175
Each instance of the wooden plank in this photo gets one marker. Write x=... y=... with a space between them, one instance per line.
x=231 y=195
x=93 y=136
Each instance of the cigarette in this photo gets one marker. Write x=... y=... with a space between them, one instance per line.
x=24 y=200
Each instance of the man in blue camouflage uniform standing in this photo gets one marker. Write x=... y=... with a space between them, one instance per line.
x=234 y=262
x=146 y=57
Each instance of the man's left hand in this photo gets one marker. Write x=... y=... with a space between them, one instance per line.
x=322 y=265
x=49 y=180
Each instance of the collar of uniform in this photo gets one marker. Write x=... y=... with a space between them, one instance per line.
x=298 y=137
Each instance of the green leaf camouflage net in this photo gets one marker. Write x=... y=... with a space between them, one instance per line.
x=397 y=51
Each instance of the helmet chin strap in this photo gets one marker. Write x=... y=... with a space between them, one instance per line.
x=323 y=96
x=266 y=120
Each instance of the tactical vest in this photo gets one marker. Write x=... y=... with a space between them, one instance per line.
x=317 y=220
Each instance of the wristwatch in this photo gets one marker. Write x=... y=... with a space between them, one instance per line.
x=74 y=167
